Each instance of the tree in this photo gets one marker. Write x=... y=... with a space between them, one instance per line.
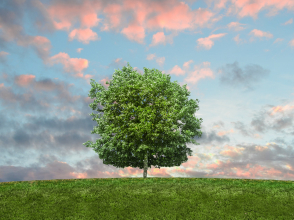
x=139 y=126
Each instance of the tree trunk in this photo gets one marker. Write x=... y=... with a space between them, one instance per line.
x=145 y=165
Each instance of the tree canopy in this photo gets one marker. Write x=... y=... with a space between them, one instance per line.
x=140 y=122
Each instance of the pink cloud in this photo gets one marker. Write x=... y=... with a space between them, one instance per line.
x=176 y=70
x=289 y=22
x=151 y=56
x=131 y=18
x=159 y=60
x=113 y=13
x=83 y=35
x=281 y=109
x=251 y=8
x=90 y=20
x=160 y=38
x=41 y=44
x=172 y=15
x=259 y=33
x=79 y=50
x=70 y=64
x=236 y=26
x=66 y=16
x=291 y=43
x=24 y=80
x=3 y=53
x=207 y=42
x=134 y=17
x=187 y=64
x=134 y=32
x=193 y=76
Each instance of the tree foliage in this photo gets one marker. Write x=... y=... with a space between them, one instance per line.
x=140 y=122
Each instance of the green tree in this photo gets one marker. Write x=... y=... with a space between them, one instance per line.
x=139 y=126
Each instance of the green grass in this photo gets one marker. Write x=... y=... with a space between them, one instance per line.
x=149 y=198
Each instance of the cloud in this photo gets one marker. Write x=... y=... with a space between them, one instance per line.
x=233 y=76
x=207 y=42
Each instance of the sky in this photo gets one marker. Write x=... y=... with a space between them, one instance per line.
x=236 y=57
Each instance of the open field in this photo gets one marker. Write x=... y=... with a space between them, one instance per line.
x=149 y=198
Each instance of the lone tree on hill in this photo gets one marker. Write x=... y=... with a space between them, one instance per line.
x=139 y=125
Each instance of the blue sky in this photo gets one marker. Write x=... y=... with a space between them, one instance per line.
x=236 y=58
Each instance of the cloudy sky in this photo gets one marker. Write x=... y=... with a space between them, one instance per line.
x=236 y=57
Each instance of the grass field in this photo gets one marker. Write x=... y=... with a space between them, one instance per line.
x=149 y=198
